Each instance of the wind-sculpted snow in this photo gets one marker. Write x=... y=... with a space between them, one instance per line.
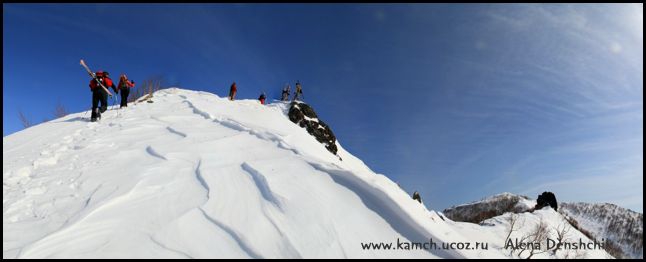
x=377 y=200
x=193 y=175
x=261 y=183
x=174 y=131
x=200 y=178
x=197 y=111
x=242 y=242
x=154 y=153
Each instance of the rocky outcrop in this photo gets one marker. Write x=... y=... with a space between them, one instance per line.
x=546 y=199
x=304 y=116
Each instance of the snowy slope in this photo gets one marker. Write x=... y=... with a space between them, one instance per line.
x=193 y=175
x=623 y=228
x=495 y=231
x=620 y=229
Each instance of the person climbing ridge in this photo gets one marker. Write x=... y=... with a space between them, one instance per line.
x=262 y=98
x=99 y=94
x=232 y=91
x=298 y=95
x=285 y=94
x=124 y=86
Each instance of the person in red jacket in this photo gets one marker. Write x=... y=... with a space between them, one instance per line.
x=124 y=86
x=232 y=91
x=99 y=94
x=262 y=98
x=108 y=82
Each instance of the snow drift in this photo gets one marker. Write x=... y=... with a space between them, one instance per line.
x=193 y=175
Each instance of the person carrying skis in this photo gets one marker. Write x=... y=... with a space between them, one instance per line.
x=99 y=94
x=106 y=75
x=299 y=92
x=262 y=98
x=232 y=91
x=285 y=95
x=124 y=86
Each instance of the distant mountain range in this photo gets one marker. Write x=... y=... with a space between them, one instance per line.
x=621 y=228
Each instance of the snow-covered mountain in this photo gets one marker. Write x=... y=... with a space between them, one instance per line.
x=193 y=175
x=478 y=211
x=621 y=229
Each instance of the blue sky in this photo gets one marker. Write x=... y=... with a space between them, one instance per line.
x=456 y=101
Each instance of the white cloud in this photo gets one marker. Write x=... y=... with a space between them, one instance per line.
x=615 y=47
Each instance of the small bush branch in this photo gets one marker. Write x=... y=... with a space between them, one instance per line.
x=24 y=120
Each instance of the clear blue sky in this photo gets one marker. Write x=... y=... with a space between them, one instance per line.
x=455 y=101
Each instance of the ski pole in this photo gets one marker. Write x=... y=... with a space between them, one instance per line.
x=115 y=104
x=119 y=108
x=114 y=99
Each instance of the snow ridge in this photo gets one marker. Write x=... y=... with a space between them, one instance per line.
x=194 y=175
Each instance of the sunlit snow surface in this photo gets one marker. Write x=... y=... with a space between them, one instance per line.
x=193 y=175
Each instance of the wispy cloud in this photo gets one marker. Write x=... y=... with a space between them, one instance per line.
x=623 y=187
x=557 y=82
x=81 y=25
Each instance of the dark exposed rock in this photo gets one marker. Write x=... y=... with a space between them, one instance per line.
x=304 y=116
x=546 y=199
